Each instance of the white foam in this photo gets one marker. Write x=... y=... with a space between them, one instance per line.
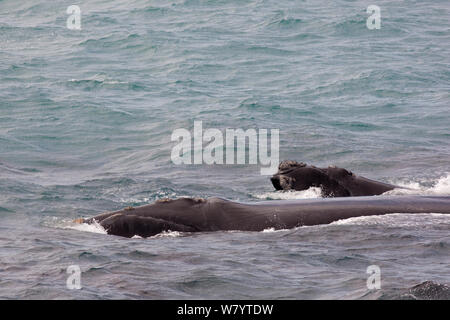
x=94 y=227
x=100 y=79
x=167 y=234
x=442 y=186
x=134 y=200
x=439 y=187
x=271 y=230
x=310 y=193
x=398 y=220
x=158 y=196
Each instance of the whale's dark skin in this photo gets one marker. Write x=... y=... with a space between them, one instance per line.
x=215 y=214
x=334 y=181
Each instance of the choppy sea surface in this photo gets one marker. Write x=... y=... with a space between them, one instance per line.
x=86 y=118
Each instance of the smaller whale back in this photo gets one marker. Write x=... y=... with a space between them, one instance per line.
x=333 y=181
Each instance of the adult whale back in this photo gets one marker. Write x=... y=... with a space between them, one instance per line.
x=333 y=181
x=216 y=214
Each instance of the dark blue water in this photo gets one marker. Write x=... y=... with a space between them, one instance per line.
x=86 y=118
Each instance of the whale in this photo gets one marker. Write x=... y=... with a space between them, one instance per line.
x=333 y=181
x=217 y=214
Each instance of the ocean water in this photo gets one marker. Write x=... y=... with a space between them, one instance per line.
x=86 y=118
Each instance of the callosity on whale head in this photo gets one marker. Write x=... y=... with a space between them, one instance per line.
x=334 y=181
